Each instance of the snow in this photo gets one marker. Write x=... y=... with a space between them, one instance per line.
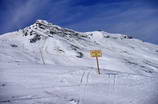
x=57 y=68
x=62 y=85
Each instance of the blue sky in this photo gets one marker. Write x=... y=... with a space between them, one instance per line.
x=138 y=18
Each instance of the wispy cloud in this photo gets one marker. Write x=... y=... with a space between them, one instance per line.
x=21 y=12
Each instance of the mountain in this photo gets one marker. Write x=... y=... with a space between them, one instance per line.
x=62 y=56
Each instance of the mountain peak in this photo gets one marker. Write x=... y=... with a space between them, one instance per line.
x=44 y=22
x=41 y=21
x=44 y=28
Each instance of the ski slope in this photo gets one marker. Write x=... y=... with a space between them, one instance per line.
x=48 y=64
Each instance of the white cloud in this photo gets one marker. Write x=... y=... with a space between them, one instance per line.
x=23 y=12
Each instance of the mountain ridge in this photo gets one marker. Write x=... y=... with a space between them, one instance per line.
x=64 y=46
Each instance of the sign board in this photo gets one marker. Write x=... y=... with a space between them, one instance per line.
x=96 y=53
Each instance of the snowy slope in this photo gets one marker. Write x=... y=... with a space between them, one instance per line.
x=39 y=61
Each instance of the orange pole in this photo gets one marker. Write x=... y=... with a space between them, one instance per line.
x=98 y=65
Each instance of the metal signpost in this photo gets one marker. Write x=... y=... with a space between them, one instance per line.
x=96 y=53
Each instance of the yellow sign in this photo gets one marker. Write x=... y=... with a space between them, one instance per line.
x=96 y=53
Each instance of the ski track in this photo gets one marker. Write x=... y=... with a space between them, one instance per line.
x=68 y=83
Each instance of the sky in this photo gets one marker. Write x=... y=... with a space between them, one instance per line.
x=137 y=18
